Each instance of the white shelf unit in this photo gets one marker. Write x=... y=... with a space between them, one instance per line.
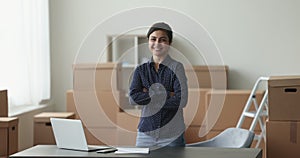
x=130 y=50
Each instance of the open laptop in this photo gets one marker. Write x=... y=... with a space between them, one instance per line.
x=69 y=134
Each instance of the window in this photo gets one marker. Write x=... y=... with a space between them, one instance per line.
x=24 y=51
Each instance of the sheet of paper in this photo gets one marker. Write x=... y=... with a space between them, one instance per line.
x=133 y=150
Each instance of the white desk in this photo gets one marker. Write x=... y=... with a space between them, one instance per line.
x=170 y=152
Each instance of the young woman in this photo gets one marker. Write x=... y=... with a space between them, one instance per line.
x=160 y=85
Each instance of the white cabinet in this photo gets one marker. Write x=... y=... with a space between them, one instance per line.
x=130 y=50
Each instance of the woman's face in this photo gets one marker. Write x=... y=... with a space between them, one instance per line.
x=159 y=43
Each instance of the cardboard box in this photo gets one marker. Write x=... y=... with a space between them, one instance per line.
x=224 y=108
x=8 y=136
x=101 y=135
x=194 y=111
x=45 y=116
x=126 y=77
x=43 y=133
x=96 y=109
x=192 y=135
x=129 y=119
x=3 y=103
x=212 y=133
x=200 y=76
x=262 y=146
x=284 y=98
x=283 y=139
x=126 y=138
x=98 y=76
x=111 y=100
x=70 y=103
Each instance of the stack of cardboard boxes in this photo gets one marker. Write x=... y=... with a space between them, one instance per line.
x=8 y=128
x=96 y=99
x=224 y=108
x=111 y=81
x=3 y=103
x=220 y=109
x=207 y=77
x=107 y=83
x=194 y=114
x=8 y=136
x=283 y=126
x=201 y=80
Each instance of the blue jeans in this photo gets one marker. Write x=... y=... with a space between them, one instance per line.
x=144 y=140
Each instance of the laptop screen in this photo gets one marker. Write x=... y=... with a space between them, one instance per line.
x=69 y=134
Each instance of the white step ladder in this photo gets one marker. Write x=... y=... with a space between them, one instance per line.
x=260 y=113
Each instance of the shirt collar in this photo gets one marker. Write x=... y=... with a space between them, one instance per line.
x=165 y=62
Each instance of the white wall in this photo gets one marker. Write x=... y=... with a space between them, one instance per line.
x=255 y=38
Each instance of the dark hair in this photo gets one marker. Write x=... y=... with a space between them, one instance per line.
x=161 y=26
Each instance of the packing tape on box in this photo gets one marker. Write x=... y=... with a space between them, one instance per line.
x=293 y=132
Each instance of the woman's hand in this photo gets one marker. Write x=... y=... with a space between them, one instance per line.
x=172 y=94
x=145 y=90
